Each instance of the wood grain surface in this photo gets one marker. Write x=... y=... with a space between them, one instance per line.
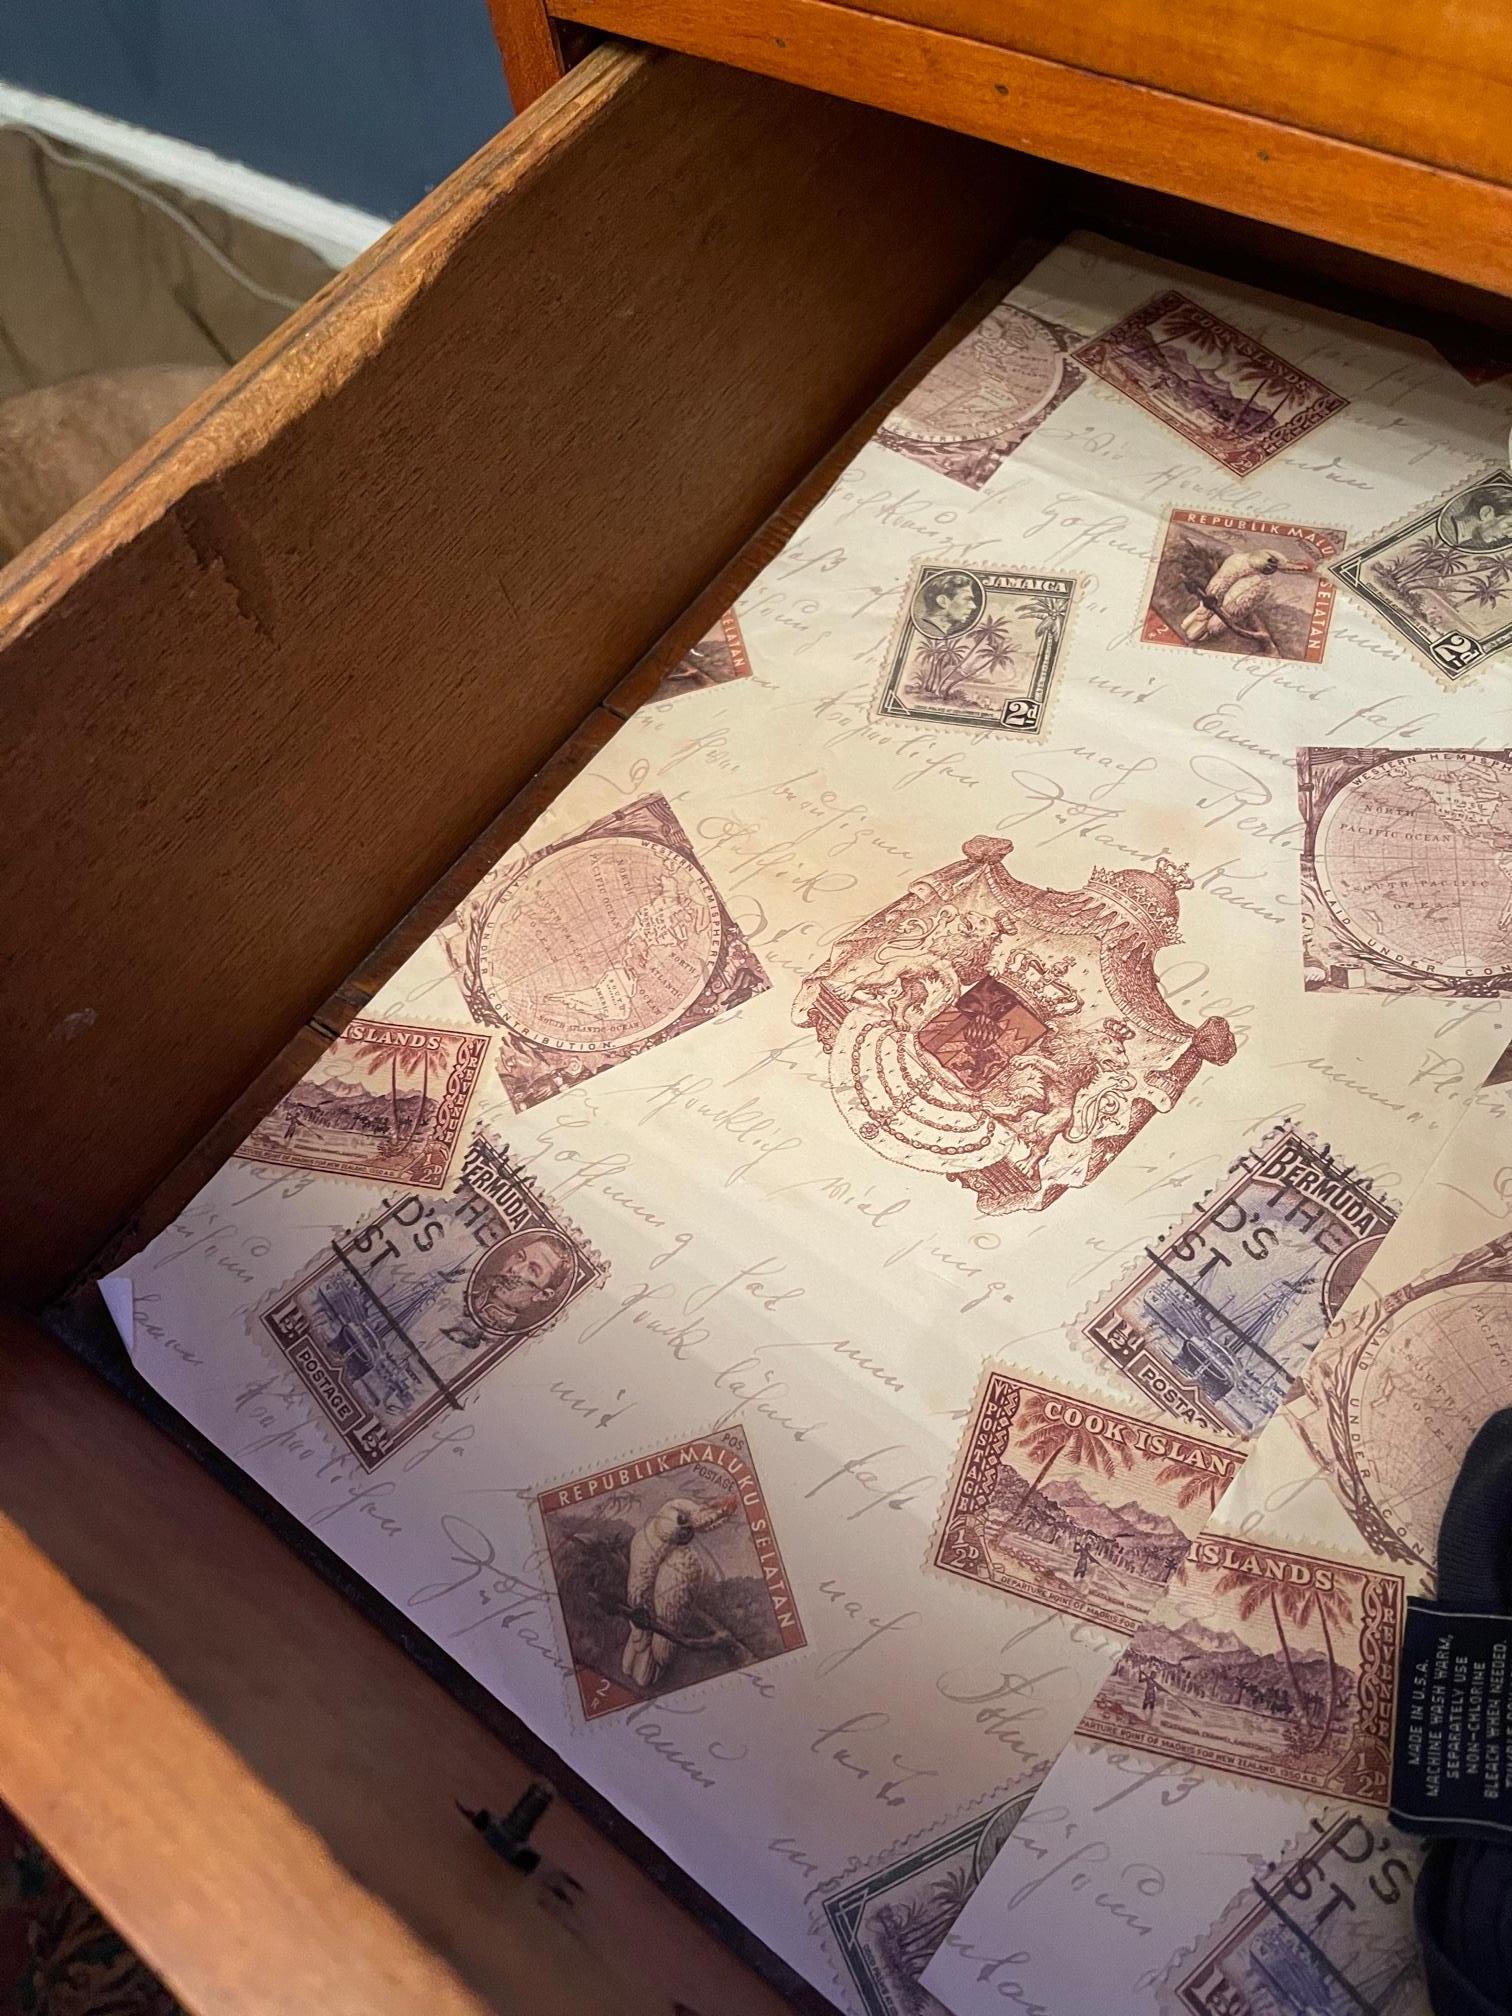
x=529 y=47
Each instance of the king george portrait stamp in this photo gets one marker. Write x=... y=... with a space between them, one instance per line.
x=1223 y=1314
x=1266 y=1663
x=977 y=647
x=1242 y=586
x=667 y=1572
x=719 y=656
x=1406 y=870
x=394 y=1322
x=1441 y=580
x=1070 y=1503
x=597 y=948
x=386 y=1103
x=986 y=397
x=1326 y=1931
x=1218 y=388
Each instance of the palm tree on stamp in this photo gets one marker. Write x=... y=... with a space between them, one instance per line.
x=1045 y=1441
x=1297 y=1604
x=404 y=1061
x=1192 y=1487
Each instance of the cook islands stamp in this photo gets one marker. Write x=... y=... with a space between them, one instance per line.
x=386 y=1103
x=977 y=647
x=1406 y=870
x=1441 y=580
x=1266 y=1663
x=396 y=1320
x=986 y=397
x=1218 y=388
x=1242 y=586
x=719 y=656
x=1326 y=1930
x=885 y=1921
x=1073 y=1504
x=597 y=948
x=1220 y=1317
x=667 y=1572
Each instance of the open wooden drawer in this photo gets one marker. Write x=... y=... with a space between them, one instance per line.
x=261 y=693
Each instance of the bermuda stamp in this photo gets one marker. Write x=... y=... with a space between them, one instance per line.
x=1441 y=580
x=887 y=1921
x=1072 y=1504
x=1220 y=1317
x=597 y=948
x=986 y=397
x=396 y=1320
x=718 y=656
x=1266 y=1663
x=386 y=1103
x=667 y=1572
x=1244 y=586
x=1326 y=1931
x=1221 y=390
x=977 y=647
x=1406 y=870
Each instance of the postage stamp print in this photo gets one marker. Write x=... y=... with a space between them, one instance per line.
x=667 y=1572
x=887 y=1921
x=719 y=656
x=1326 y=1931
x=1244 y=586
x=386 y=1103
x=986 y=397
x=1073 y=1504
x=1406 y=870
x=1221 y=1316
x=597 y=948
x=396 y=1320
x=1266 y=1663
x=1441 y=580
x=1223 y=391
x=977 y=647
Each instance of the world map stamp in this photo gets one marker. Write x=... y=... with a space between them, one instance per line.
x=977 y=647
x=386 y=1103
x=1406 y=870
x=597 y=948
x=1216 y=387
x=667 y=1572
x=986 y=397
x=1073 y=1504
x=1220 y=1317
x=719 y=656
x=1266 y=1663
x=1242 y=586
x=1441 y=580
x=395 y=1321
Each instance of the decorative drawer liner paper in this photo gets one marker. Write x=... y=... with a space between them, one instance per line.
x=942 y=997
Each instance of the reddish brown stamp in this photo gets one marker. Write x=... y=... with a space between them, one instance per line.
x=595 y=949
x=386 y=1103
x=667 y=1572
x=1073 y=1504
x=1266 y=1663
x=718 y=656
x=1216 y=387
x=1245 y=586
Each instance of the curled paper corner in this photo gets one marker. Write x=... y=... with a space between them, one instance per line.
x=116 y=1293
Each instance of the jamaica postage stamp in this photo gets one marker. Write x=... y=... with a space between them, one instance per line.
x=667 y=1572
x=1266 y=1663
x=386 y=1104
x=986 y=397
x=1221 y=1316
x=1243 y=586
x=395 y=1321
x=1071 y=1503
x=1441 y=580
x=719 y=656
x=977 y=647
x=1223 y=391
x=885 y=1919
x=1327 y=1930
x=1406 y=871
x=596 y=948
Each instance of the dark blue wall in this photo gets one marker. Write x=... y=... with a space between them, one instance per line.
x=368 y=101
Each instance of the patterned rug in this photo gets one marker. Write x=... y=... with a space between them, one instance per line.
x=58 y=1957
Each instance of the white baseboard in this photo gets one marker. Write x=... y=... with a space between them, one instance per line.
x=337 y=231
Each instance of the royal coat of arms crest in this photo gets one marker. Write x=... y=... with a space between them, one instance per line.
x=1013 y=1038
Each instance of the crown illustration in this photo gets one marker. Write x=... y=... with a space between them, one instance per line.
x=1041 y=985
x=1148 y=898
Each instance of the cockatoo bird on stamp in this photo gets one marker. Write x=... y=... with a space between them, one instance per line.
x=1234 y=597
x=666 y=1578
